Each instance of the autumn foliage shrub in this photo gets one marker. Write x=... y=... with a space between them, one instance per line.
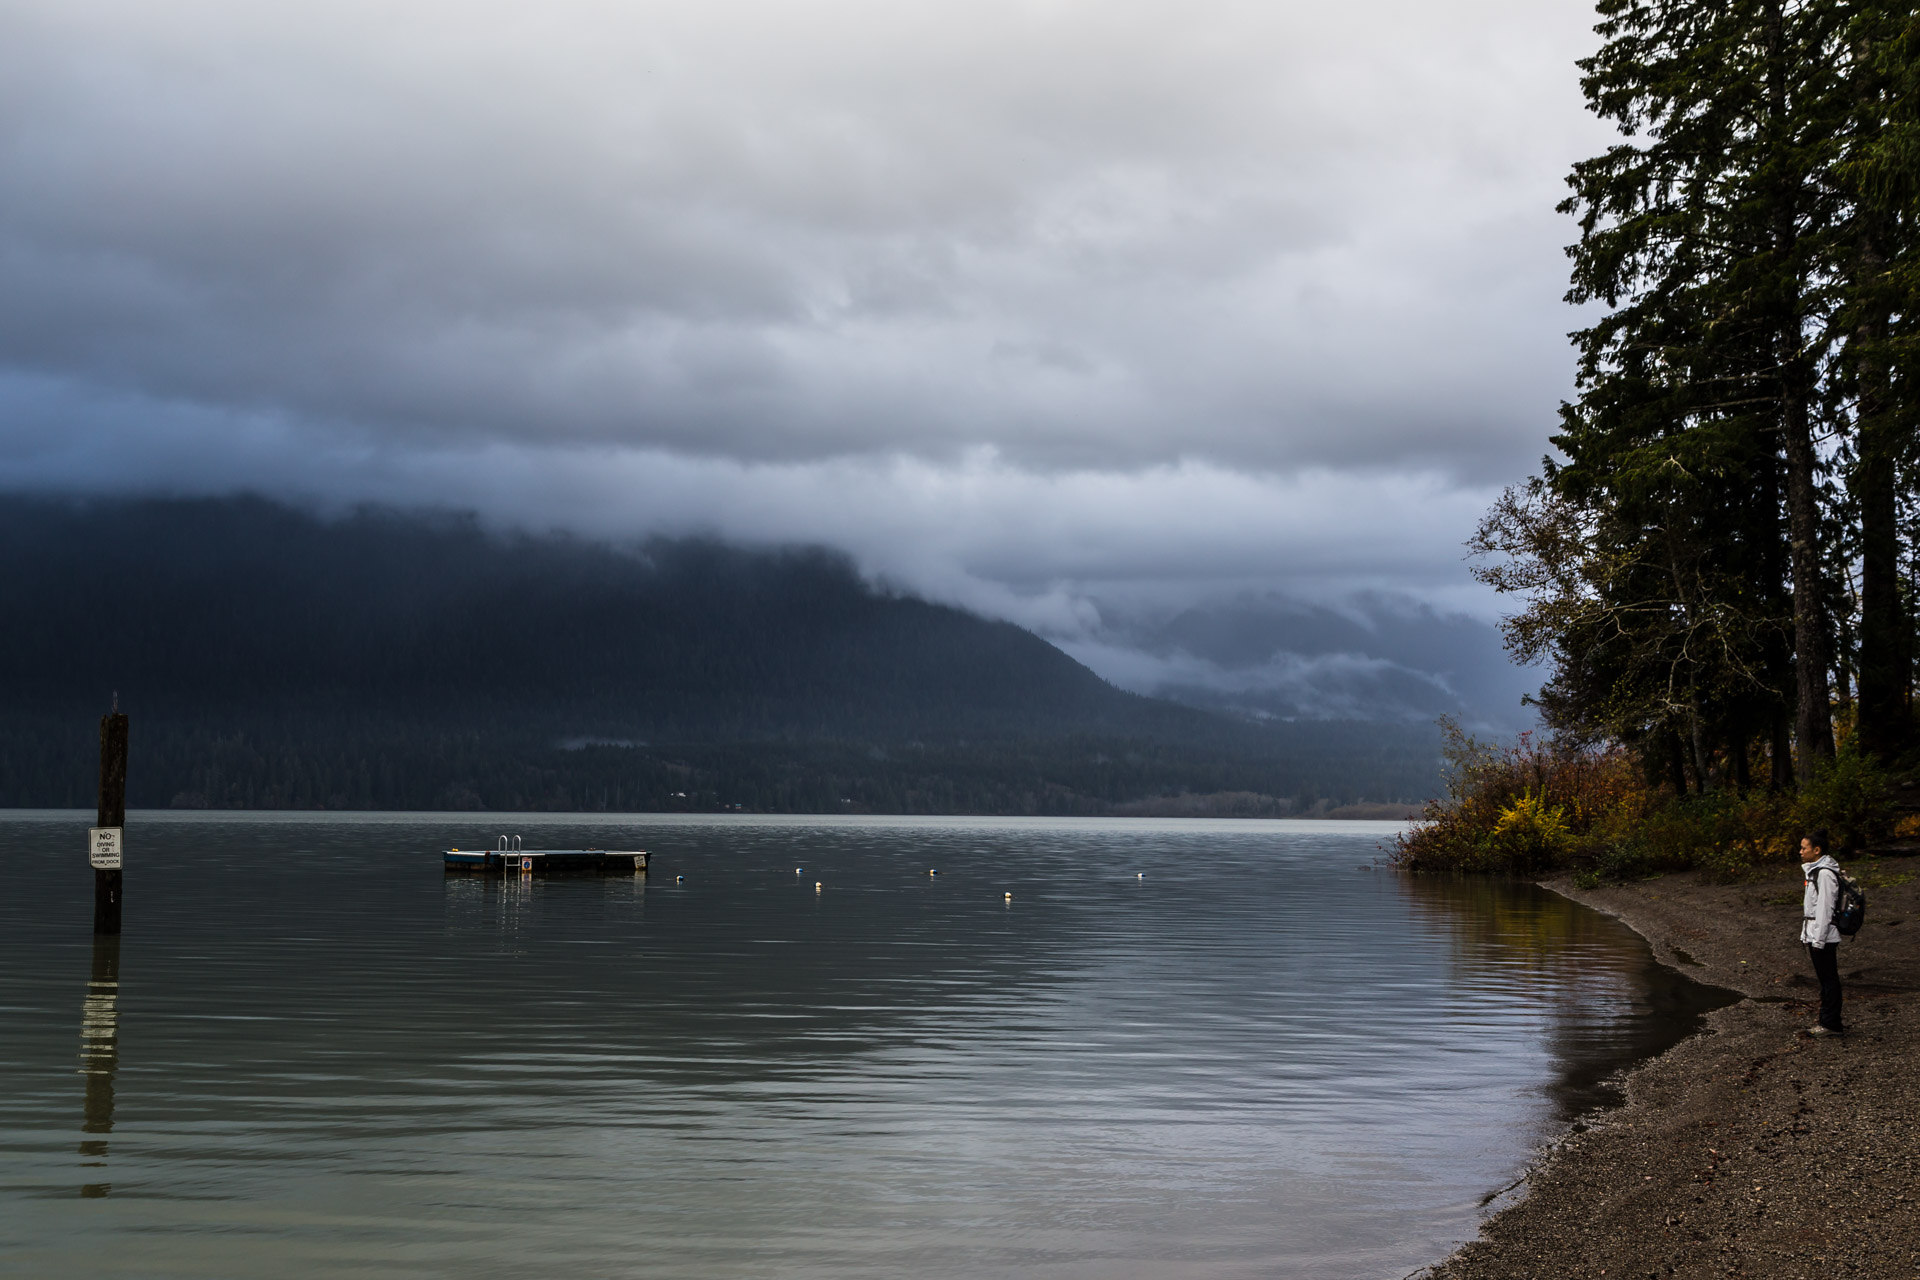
x=1539 y=806
x=1525 y=809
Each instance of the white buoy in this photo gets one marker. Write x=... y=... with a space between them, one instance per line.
x=1009 y=897
x=816 y=886
x=679 y=879
x=798 y=870
x=1141 y=875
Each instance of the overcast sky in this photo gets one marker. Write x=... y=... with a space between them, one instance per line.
x=1028 y=304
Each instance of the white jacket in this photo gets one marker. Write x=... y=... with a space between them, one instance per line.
x=1822 y=896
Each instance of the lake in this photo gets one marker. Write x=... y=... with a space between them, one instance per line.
x=1181 y=1049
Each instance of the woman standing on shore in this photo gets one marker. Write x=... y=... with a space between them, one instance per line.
x=1817 y=929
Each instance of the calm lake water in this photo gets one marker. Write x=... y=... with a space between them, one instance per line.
x=312 y=1054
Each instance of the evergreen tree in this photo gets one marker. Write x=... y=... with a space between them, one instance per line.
x=1702 y=236
x=1750 y=239
x=1880 y=176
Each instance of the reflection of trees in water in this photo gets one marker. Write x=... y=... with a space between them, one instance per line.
x=100 y=1055
x=1608 y=1003
x=1530 y=933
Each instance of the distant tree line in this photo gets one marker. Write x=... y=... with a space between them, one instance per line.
x=1721 y=565
x=319 y=762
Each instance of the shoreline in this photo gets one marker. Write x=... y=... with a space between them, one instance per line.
x=1399 y=815
x=1750 y=1149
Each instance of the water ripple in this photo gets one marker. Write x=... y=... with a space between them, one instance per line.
x=312 y=1054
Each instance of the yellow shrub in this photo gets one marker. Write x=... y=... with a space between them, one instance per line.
x=1530 y=833
x=1532 y=816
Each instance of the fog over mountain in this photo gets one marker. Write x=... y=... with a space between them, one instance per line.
x=1081 y=315
x=1375 y=657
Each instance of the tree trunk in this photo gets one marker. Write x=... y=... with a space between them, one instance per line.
x=1676 y=768
x=1813 y=723
x=1873 y=485
x=1780 y=755
x=1697 y=741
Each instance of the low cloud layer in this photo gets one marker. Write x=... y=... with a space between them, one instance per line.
x=1028 y=305
x=1366 y=656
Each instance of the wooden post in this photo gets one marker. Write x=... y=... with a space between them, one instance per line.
x=113 y=814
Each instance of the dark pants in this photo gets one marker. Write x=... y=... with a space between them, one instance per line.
x=1826 y=966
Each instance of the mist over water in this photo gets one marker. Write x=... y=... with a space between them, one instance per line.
x=312 y=1054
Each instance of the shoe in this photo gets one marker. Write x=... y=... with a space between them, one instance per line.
x=1818 y=1030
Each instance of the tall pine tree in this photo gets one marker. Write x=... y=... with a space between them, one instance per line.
x=1879 y=174
x=1750 y=240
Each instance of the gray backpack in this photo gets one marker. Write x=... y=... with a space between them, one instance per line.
x=1849 y=902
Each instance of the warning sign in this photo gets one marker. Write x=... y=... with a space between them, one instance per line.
x=103 y=848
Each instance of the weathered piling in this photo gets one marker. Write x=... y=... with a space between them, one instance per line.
x=105 y=841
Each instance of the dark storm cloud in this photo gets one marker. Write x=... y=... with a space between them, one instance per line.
x=1087 y=235
x=1015 y=301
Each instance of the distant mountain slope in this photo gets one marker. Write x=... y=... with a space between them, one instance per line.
x=200 y=607
x=390 y=659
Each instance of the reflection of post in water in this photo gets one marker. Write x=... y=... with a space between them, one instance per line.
x=100 y=1053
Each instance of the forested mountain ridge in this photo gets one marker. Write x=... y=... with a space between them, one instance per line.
x=205 y=608
x=273 y=658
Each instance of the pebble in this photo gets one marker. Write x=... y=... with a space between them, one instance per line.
x=1755 y=1150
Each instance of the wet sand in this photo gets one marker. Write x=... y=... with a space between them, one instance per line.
x=1753 y=1149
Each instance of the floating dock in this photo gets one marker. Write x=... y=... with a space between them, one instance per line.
x=508 y=858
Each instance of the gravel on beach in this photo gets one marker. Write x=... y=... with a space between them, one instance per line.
x=1753 y=1149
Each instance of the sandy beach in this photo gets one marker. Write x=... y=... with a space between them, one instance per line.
x=1753 y=1149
